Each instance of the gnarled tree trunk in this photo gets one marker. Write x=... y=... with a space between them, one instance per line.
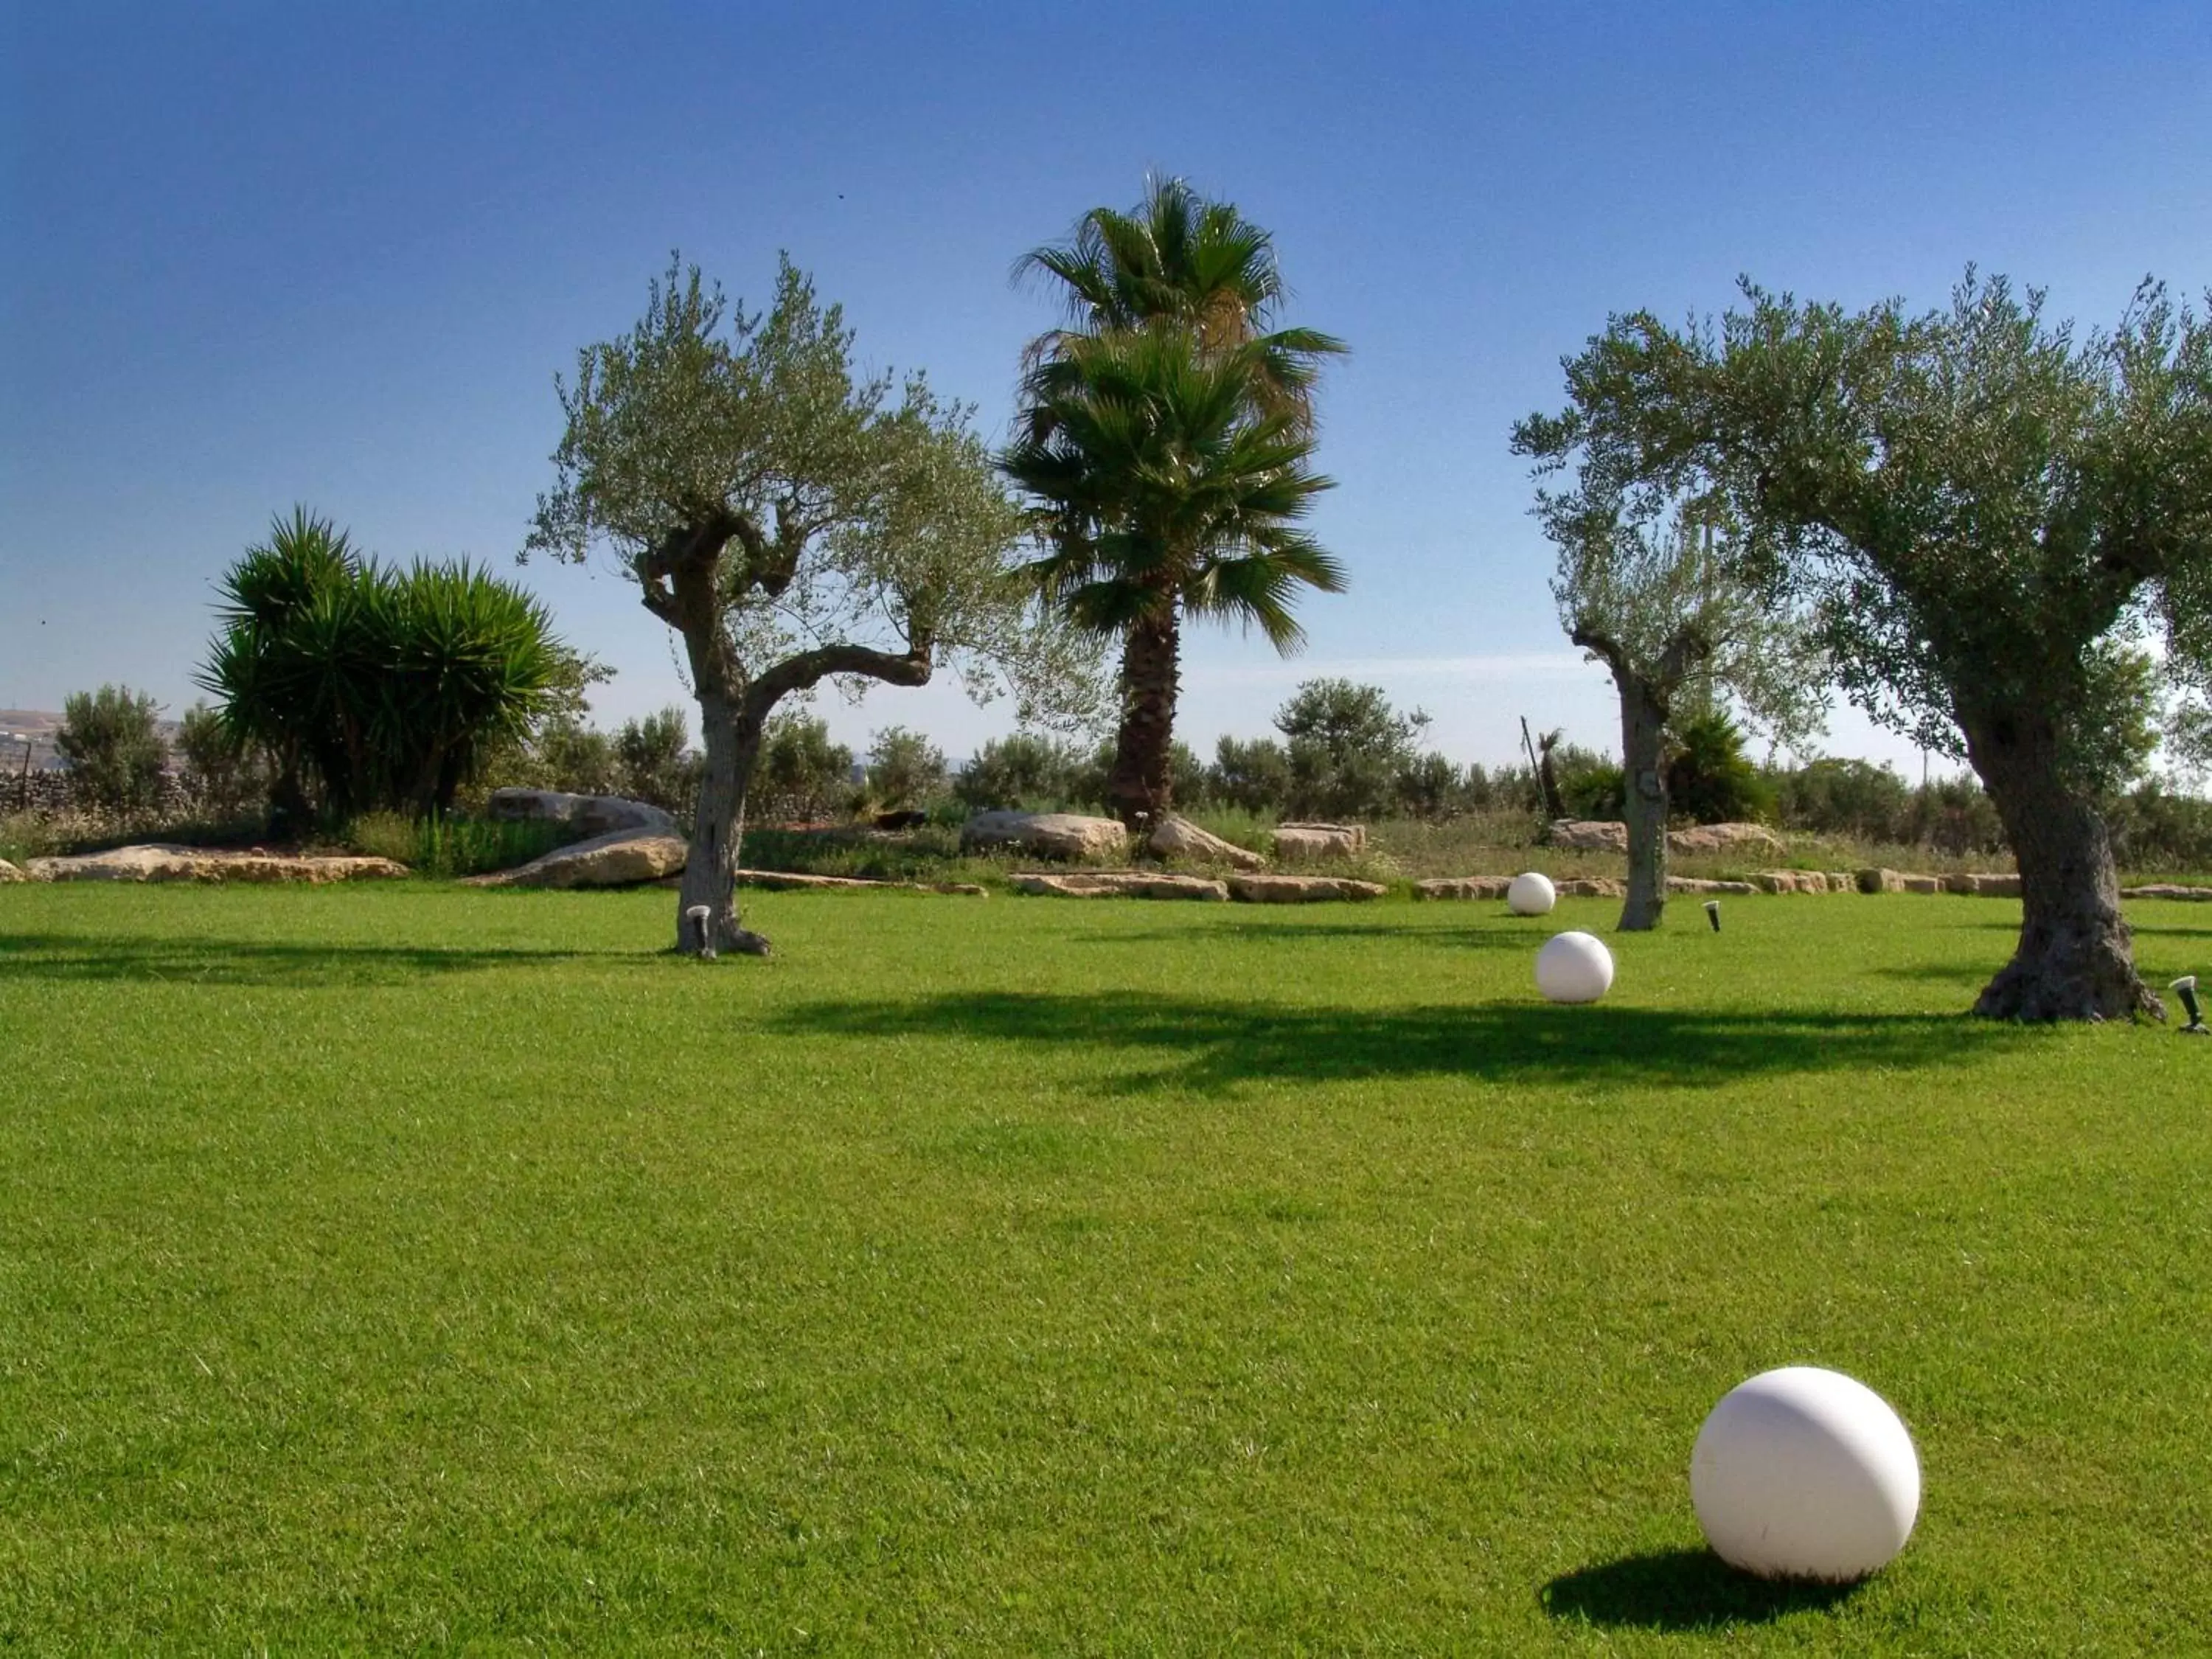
x=1643 y=735
x=731 y=736
x=2075 y=959
x=1140 y=786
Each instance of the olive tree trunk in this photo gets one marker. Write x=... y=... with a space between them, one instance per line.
x=1642 y=737
x=731 y=733
x=1139 y=787
x=2075 y=959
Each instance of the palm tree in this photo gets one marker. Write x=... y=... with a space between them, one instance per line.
x=1167 y=436
x=1176 y=261
x=1164 y=493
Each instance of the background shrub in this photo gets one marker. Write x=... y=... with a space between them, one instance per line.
x=112 y=739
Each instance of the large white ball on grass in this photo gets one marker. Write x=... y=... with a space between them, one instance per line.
x=1574 y=968
x=1531 y=894
x=1802 y=1473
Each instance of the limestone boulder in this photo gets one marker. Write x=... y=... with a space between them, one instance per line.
x=158 y=862
x=1873 y=880
x=1118 y=884
x=1999 y=884
x=1464 y=887
x=8 y=872
x=1049 y=834
x=1179 y=838
x=794 y=881
x=1592 y=836
x=1923 y=883
x=2167 y=890
x=1790 y=881
x=1302 y=889
x=1589 y=835
x=1724 y=838
x=1591 y=887
x=585 y=817
x=1319 y=843
x=625 y=858
x=1709 y=888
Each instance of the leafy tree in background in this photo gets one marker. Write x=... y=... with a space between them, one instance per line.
x=1023 y=770
x=802 y=774
x=654 y=762
x=112 y=739
x=1166 y=438
x=1977 y=510
x=791 y=523
x=1347 y=748
x=567 y=755
x=221 y=777
x=1253 y=775
x=906 y=771
x=371 y=686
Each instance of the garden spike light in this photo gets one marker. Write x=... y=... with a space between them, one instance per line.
x=2185 y=988
x=1713 y=914
x=701 y=918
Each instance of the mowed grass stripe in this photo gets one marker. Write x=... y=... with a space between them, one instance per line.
x=414 y=1267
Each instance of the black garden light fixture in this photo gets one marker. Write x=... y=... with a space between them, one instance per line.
x=702 y=919
x=1713 y=914
x=2185 y=988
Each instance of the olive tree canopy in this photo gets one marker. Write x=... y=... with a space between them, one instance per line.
x=1979 y=511
x=794 y=523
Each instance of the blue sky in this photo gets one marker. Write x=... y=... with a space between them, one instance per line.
x=254 y=255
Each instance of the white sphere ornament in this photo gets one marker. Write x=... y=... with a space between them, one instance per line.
x=1802 y=1473
x=1531 y=894
x=1574 y=968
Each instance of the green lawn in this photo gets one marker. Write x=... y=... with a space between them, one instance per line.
x=405 y=1267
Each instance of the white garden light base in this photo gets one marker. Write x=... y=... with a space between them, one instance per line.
x=1574 y=968
x=1802 y=1473
x=1531 y=894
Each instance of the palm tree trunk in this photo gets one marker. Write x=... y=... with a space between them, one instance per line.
x=1138 y=788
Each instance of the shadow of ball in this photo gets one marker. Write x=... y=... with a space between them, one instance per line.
x=1531 y=894
x=1574 y=968
x=1805 y=1473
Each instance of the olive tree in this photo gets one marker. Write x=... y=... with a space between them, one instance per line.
x=794 y=524
x=1980 y=511
x=1679 y=629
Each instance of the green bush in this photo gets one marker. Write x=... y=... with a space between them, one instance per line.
x=800 y=773
x=1590 y=784
x=1709 y=778
x=375 y=688
x=906 y=771
x=1026 y=770
x=113 y=742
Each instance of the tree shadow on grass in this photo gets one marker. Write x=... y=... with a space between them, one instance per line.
x=1680 y=1590
x=1249 y=929
x=203 y=961
x=1212 y=1045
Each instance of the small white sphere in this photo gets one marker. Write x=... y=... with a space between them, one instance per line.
x=1574 y=968
x=1531 y=894
x=1802 y=1473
